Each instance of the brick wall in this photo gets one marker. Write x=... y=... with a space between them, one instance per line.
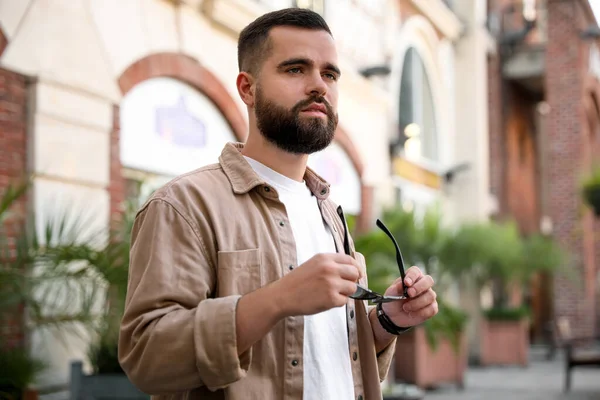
x=13 y=152
x=566 y=144
x=570 y=148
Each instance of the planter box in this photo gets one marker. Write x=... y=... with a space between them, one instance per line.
x=105 y=387
x=504 y=342
x=415 y=362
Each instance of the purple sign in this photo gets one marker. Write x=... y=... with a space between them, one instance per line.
x=178 y=126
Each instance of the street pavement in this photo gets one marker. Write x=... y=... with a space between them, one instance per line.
x=542 y=379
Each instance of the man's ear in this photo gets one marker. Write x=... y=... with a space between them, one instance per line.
x=245 y=86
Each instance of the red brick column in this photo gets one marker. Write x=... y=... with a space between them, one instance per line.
x=565 y=68
x=13 y=164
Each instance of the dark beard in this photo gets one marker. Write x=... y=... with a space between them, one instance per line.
x=291 y=133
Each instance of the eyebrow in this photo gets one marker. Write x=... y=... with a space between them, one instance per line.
x=308 y=63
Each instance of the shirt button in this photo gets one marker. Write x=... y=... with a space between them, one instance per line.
x=351 y=313
x=291 y=267
x=360 y=397
x=294 y=363
x=323 y=191
x=281 y=223
x=355 y=356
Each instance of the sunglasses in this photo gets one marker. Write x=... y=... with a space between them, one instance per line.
x=363 y=293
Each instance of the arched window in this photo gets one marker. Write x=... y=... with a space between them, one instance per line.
x=417 y=110
x=168 y=128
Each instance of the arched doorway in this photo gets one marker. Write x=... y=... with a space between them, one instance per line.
x=174 y=116
x=168 y=128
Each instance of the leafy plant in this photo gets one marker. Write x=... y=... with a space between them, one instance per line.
x=37 y=280
x=18 y=371
x=56 y=271
x=421 y=240
x=507 y=313
x=497 y=255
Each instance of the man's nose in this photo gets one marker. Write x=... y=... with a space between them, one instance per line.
x=316 y=85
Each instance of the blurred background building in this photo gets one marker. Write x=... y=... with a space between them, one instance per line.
x=488 y=108
x=544 y=139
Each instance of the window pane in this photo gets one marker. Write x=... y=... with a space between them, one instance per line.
x=417 y=113
x=406 y=92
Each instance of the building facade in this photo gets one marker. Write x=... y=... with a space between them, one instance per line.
x=104 y=100
x=544 y=138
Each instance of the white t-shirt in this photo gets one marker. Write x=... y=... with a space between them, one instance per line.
x=327 y=368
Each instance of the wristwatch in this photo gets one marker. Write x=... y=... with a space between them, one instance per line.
x=387 y=323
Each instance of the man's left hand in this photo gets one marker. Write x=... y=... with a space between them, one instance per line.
x=421 y=303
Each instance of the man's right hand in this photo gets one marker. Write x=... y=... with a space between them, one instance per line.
x=325 y=281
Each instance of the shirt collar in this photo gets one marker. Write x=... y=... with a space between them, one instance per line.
x=243 y=178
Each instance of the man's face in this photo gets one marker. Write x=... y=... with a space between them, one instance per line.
x=296 y=91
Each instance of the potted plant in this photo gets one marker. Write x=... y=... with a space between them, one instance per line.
x=111 y=264
x=502 y=262
x=35 y=273
x=434 y=352
x=18 y=372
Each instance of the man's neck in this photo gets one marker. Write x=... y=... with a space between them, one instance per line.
x=291 y=165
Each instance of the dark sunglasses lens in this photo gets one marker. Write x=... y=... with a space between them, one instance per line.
x=364 y=294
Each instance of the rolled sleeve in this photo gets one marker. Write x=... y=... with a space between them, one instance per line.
x=216 y=343
x=174 y=336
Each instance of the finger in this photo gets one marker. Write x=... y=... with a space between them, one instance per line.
x=413 y=274
x=420 y=302
x=346 y=259
x=427 y=312
x=421 y=286
x=347 y=288
x=349 y=272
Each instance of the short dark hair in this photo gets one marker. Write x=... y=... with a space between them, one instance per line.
x=254 y=45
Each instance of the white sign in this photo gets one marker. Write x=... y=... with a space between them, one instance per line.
x=334 y=165
x=169 y=128
x=595 y=61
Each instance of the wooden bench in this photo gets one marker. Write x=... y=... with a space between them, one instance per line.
x=579 y=351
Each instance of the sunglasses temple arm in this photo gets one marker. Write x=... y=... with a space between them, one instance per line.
x=401 y=267
x=399 y=259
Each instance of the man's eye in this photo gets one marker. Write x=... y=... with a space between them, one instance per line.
x=333 y=77
x=295 y=70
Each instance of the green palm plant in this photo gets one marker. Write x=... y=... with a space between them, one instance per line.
x=495 y=254
x=53 y=275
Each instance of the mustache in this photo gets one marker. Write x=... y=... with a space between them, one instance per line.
x=313 y=99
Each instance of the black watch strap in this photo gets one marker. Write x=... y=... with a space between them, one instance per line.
x=387 y=323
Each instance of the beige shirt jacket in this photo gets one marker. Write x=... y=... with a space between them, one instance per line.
x=200 y=243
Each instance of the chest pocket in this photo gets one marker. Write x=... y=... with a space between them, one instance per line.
x=239 y=272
